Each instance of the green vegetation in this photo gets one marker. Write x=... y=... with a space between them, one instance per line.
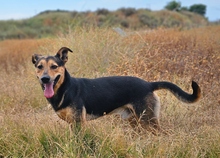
x=51 y=23
x=30 y=128
x=174 y=6
x=196 y=8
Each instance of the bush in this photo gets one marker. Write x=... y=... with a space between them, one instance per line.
x=102 y=11
x=125 y=23
x=128 y=11
x=173 y=6
x=148 y=19
x=198 y=8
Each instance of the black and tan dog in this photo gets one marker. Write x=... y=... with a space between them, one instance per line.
x=81 y=99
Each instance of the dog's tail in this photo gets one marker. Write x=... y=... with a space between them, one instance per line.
x=178 y=92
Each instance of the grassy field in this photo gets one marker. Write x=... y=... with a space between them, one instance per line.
x=30 y=128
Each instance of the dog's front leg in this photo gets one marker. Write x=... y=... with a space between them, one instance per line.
x=80 y=119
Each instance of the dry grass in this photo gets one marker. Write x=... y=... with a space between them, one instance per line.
x=30 y=129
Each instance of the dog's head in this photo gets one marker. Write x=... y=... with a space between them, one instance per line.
x=50 y=70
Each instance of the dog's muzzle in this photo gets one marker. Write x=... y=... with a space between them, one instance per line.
x=48 y=85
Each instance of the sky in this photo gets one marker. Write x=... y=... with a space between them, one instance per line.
x=22 y=9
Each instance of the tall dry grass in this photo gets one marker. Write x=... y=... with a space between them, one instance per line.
x=29 y=128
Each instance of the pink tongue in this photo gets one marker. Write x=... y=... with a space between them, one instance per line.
x=48 y=91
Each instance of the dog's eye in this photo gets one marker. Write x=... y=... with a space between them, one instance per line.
x=40 y=67
x=54 y=66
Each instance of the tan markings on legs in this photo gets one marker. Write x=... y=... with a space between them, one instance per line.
x=149 y=119
x=67 y=114
x=125 y=112
x=156 y=106
x=83 y=116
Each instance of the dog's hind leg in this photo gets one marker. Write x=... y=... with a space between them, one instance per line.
x=148 y=113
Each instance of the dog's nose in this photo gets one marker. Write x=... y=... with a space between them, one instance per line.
x=45 y=79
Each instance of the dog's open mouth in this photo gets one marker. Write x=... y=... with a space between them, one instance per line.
x=48 y=87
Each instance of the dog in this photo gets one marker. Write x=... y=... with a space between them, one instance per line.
x=77 y=100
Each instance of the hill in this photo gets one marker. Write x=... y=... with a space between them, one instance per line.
x=50 y=23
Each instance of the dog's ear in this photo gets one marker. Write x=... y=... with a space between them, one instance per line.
x=35 y=58
x=63 y=54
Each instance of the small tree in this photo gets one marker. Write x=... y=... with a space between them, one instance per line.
x=198 y=8
x=173 y=5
